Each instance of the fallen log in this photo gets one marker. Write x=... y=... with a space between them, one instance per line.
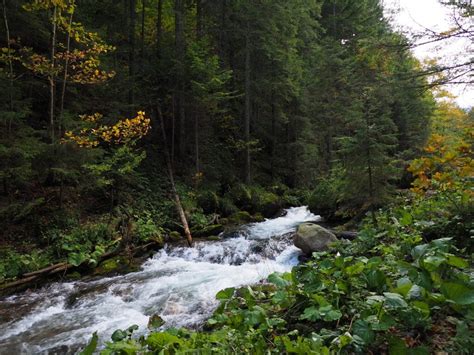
x=38 y=275
x=42 y=271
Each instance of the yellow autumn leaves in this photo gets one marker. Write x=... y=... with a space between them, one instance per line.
x=448 y=160
x=126 y=131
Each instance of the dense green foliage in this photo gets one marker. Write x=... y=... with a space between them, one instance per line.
x=303 y=90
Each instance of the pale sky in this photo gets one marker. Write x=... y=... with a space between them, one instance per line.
x=418 y=15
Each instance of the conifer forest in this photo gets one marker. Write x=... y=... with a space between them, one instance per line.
x=235 y=177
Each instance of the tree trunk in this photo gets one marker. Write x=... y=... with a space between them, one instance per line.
x=66 y=67
x=177 y=200
x=159 y=28
x=273 y=147
x=142 y=35
x=196 y=142
x=131 y=53
x=369 y=170
x=197 y=110
x=199 y=19
x=180 y=54
x=247 y=107
x=51 y=76
x=10 y=68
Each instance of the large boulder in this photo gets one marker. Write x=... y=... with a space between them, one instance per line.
x=312 y=237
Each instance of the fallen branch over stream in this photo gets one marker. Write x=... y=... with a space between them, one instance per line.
x=32 y=277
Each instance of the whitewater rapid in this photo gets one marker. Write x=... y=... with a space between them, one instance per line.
x=177 y=283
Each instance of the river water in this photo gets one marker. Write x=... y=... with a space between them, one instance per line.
x=177 y=283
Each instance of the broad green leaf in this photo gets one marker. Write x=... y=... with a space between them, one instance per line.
x=158 y=341
x=364 y=331
x=155 y=321
x=225 y=294
x=394 y=300
x=118 y=335
x=90 y=348
x=458 y=293
x=423 y=307
x=457 y=262
x=276 y=279
x=311 y=313
x=432 y=263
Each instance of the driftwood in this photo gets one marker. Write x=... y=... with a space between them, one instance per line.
x=177 y=200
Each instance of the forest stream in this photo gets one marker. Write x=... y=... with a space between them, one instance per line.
x=177 y=283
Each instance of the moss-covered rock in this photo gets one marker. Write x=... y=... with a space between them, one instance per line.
x=116 y=265
x=266 y=203
x=241 y=217
x=207 y=231
x=213 y=237
x=311 y=237
x=76 y=275
x=258 y=217
x=175 y=236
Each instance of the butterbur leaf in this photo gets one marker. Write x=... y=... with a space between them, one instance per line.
x=158 y=341
x=278 y=280
x=432 y=263
x=311 y=313
x=118 y=335
x=394 y=300
x=225 y=294
x=90 y=348
x=155 y=321
x=422 y=307
x=419 y=250
x=459 y=293
x=332 y=315
x=384 y=323
x=363 y=330
x=457 y=262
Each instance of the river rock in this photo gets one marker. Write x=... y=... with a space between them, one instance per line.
x=213 y=229
x=312 y=237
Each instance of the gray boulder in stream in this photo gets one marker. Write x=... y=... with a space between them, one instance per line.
x=312 y=237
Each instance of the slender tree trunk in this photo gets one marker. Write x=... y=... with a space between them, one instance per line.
x=159 y=28
x=142 y=34
x=196 y=141
x=273 y=153
x=66 y=68
x=131 y=53
x=180 y=54
x=199 y=19
x=197 y=111
x=51 y=76
x=369 y=171
x=247 y=107
x=177 y=200
x=173 y=131
x=10 y=68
